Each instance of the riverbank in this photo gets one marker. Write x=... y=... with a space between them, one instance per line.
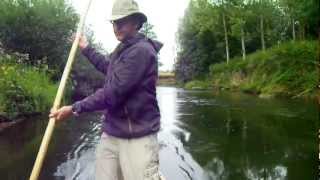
x=25 y=90
x=288 y=70
x=166 y=79
x=6 y=123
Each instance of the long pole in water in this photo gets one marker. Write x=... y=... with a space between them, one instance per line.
x=48 y=133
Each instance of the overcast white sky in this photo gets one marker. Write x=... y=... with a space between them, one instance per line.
x=163 y=14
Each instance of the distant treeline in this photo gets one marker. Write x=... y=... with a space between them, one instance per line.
x=216 y=31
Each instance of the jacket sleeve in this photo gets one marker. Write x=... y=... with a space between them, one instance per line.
x=125 y=78
x=98 y=60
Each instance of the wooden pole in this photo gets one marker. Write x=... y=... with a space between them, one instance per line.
x=48 y=133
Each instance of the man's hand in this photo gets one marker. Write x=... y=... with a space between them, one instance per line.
x=83 y=42
x=62 y=113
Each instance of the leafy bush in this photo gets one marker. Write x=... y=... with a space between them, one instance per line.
x=196 y=84
x=24 y=90
x=39 y=28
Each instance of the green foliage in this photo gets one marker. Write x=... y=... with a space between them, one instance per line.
x=24 y=89
x=288 y=69
x=305 y=14
x=147 y=30
x=196 y=84
x=40 y=28
x=201 y=35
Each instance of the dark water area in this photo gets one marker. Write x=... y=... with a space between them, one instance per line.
x=205 y=135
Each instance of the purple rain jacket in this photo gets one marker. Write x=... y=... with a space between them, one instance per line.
x=128 y=97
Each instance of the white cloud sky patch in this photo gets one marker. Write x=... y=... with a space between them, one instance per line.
x=163 y=14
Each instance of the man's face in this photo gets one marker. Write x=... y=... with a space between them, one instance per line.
x=124 y=28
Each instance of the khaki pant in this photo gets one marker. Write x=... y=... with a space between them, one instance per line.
x=127 y=159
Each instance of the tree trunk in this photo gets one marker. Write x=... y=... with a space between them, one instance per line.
x=293 y=30
x=262 y=33
x=243 y=44
x=225 y=36
x=303 y=32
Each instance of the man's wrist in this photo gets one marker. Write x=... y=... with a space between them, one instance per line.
x=76 y=109
x=84 y=46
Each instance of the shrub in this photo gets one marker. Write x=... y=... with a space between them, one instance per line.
x=39 y=28
x=24 y=90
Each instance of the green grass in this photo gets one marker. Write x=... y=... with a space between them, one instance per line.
x=24 y=89
x=289 y=69
x=197 y=84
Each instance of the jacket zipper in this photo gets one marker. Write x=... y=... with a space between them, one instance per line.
x=129 y=120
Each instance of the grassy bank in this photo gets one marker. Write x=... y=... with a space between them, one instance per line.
x=24 y=89
x=166 y=79
x=289 y=69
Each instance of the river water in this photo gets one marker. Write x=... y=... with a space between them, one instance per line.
x=205 y=135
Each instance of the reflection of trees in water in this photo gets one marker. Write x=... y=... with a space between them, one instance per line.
x=215 y=169
x=256 y=141
x=277 y=172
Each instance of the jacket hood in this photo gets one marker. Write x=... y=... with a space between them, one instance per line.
x=155 y=44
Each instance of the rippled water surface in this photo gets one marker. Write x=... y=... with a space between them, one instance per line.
x=204 y=136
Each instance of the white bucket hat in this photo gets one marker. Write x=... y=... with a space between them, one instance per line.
x=124 y=8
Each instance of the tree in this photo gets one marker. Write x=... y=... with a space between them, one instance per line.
x=40 y=28
x=240 y=14
x=224 y=12
x=261 y=17
x=268 y=21
x=214 y=30
x=303 y=16
x=147 y=30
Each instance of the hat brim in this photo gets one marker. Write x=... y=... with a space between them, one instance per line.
x=143 y=18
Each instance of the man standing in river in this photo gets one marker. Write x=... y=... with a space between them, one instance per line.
x=128 y=148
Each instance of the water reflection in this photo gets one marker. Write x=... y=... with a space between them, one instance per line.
x=204 y=136
x=175 y=161
x=77 y=163
x=236 y=136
